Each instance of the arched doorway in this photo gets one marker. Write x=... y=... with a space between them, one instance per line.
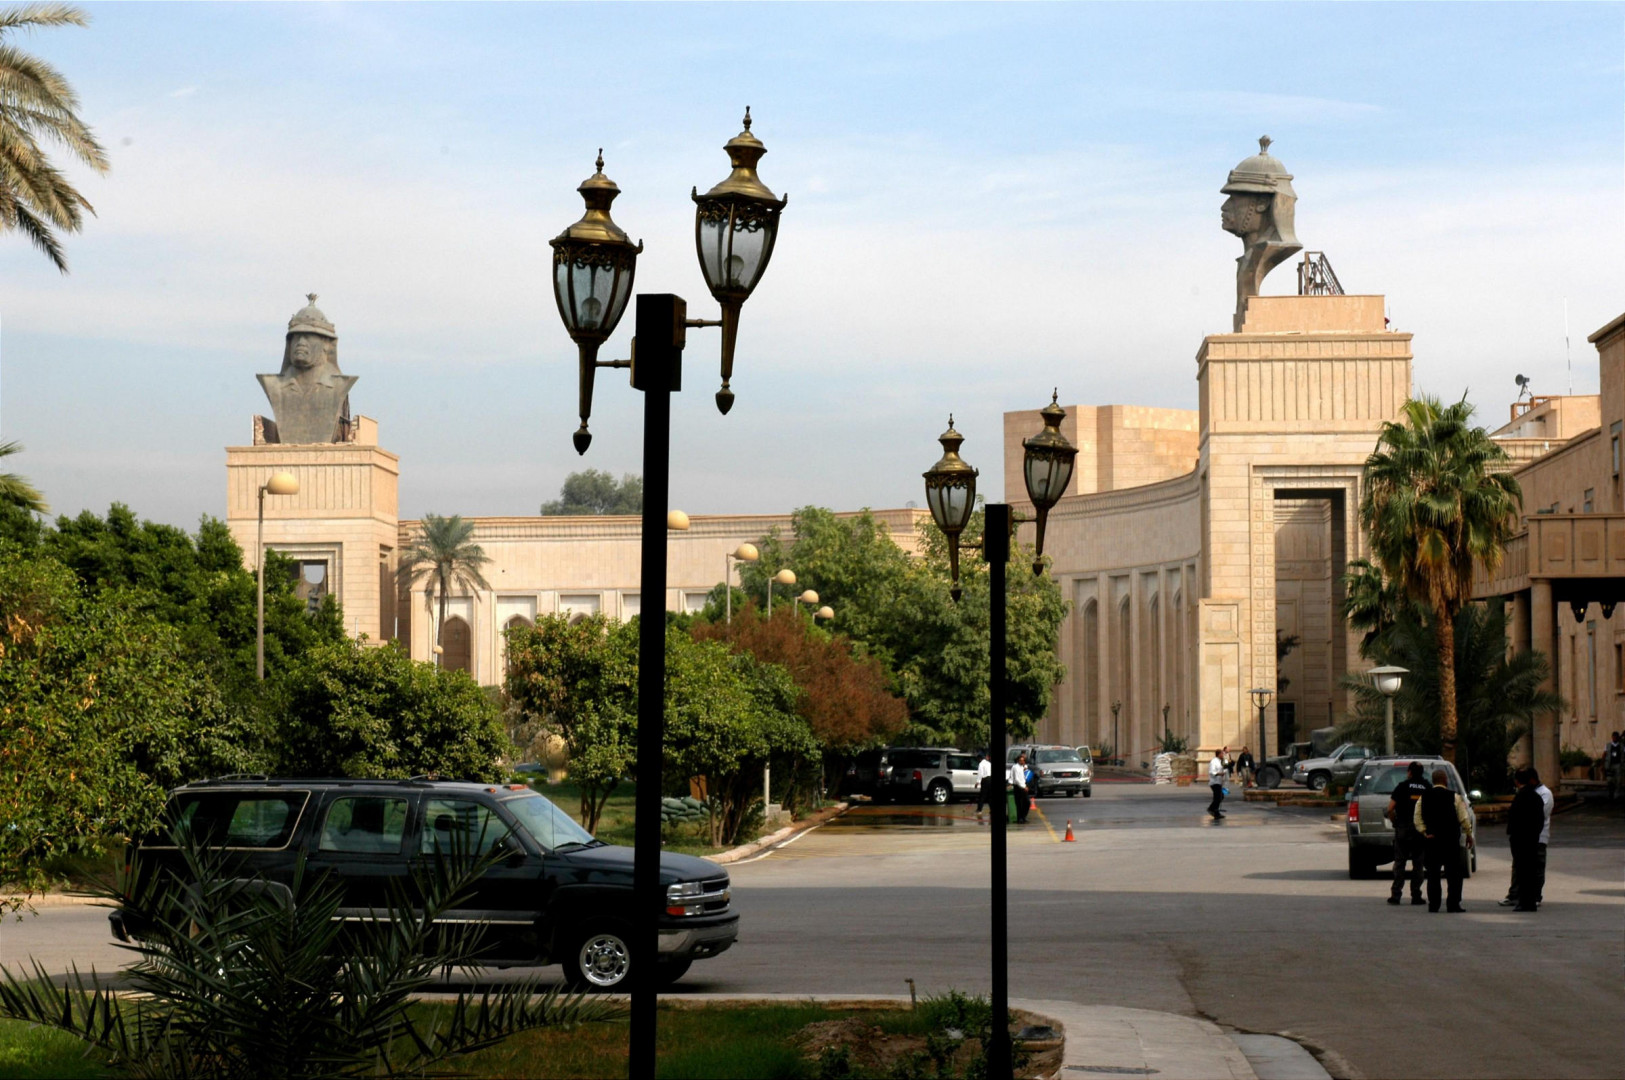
x=458 y=642
x=512 y=623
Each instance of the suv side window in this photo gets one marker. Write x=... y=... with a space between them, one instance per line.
x=364 y=825
x=962 y=761
x=238 y=819
x=461 y=827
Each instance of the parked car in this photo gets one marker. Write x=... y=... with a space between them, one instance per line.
x=1370 y=833
x=560 y=896
x=1339 y=767
x=868 y=773
x=1057 y=770
x=932 y=774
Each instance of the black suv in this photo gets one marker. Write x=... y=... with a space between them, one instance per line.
x=559 y=896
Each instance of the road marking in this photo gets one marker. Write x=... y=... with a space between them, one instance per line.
x=1049 y=828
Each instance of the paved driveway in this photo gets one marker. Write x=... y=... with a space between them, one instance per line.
x=1251 y=922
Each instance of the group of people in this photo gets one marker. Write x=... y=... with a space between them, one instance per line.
x=1219 y=771
x=1433 y=837
x=1018 y=776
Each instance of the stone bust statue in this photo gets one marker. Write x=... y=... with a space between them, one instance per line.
x=309 y=394
x=1259 y=210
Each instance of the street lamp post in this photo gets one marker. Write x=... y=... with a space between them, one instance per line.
x=786 y=576
x=278 y=484
x=743 y=553
x=1117 y=748
x=1261 y=698
x=950 y=492
x=735 y=227
x=807 y=597
x=1387 y=680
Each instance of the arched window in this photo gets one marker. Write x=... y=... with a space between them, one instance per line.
x=1089 y=674
x=458 y=642
x=517 y=620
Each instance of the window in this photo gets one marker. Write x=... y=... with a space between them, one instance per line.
x=916 y=759
x=1057 y=757
x=453 y=826
x=1591 y=657
x=365 y=826
x=1619 y=667
x=547 y=824
x=1590 y=497
x=963 y=761
x=1613 y=444
x=239 y=819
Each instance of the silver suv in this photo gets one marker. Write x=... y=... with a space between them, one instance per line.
x=1057 y=770
x=1340 y=766
x=931 y=774
x=1370 y=833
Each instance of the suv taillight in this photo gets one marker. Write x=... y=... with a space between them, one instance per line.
x=917 y=776
x=1354 y=811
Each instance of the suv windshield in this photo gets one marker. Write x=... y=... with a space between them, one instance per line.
x=548 y=825
x=1055 y=757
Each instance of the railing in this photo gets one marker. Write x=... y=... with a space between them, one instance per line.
x=1558 y=546
x=1316 y=277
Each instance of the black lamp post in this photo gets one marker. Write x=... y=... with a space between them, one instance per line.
x=950 y=492
x=1261 y=698
x=736 y=224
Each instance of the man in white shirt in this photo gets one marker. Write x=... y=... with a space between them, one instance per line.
x=1215 y=780
x=984 y=784
x=1018 y=786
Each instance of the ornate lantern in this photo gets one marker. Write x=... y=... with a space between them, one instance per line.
x=1048 y=469
x=593 y=266
x=950 y=492
x=735 y=225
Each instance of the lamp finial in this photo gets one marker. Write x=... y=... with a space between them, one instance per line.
x=747 y=117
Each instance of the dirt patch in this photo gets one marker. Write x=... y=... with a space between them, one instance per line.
x=869 y=1050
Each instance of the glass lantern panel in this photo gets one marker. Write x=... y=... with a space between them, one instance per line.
x=619 y=295
x=1047 y=476
x=593 y=288
x=734 y=251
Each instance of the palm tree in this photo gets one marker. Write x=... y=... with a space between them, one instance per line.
x=1433 y=509
x=37 y=103
x=16 y=490
x=443 y=553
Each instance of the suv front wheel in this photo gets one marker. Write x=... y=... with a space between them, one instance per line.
x=600 y=960
x=1318 y=781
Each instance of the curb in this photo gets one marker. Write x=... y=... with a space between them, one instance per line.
x=744 y=851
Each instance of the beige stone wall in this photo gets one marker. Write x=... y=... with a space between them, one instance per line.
x=345 y=514
x=564 y=565
x=1176 y=584
x=1119 y=446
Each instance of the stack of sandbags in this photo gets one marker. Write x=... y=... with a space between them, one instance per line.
x=682 y=811
x=1162 y=769
x=1184 y=765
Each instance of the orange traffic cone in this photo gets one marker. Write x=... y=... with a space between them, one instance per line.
x=1070 y=839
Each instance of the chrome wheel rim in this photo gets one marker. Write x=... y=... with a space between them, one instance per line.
x=604 y=959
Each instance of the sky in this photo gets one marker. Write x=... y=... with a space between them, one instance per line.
x=986 y=202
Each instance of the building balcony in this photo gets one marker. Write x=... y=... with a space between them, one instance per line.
x=1576 y=552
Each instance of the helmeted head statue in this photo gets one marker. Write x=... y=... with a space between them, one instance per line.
x=310 y=394
x=1260 y=210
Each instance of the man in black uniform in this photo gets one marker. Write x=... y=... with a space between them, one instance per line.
x=1442 y=817
x=1407 y=841
x=1526 y=819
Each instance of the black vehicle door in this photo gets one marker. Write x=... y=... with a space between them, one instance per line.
x=360 y=842
x=507 y=898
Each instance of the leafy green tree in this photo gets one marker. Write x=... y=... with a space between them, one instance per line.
x=15 y=490
x=38 y=104
x=1498 y=695
x=198 y=585
x=899 y=608
x=577 y=681
x=594 y=492
x=1433 y=510
x=444 y=552
x=102 y=709
x=728 y=715
x=351 y=709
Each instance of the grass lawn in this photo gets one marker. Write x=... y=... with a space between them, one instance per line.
x=615 y=823
x=28 y=1052
x=718 y=1042
x=714 y=1042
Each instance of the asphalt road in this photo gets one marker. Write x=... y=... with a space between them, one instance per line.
x=1251 y=922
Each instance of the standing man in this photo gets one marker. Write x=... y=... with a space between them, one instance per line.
x=1245 y=766
x=1018 y=788
x=1407 y=841
x=1442 y=818
x=1215 y=781
x=984 y=783
x=1613 y=763
x=1526 y=820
